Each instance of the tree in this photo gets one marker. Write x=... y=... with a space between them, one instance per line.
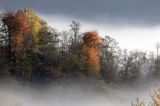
x=48 y=38
x=75 y=28
x=155 y=100
x=75 y=37
x=132 y=65
x=45 y=63
x=15 y=28
x=157 y=62
x=36 y=23
x=65 y=42
x=110 y=57
x=90 y=46
x=154 y=63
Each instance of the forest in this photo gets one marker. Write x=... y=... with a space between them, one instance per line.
x=33 y=53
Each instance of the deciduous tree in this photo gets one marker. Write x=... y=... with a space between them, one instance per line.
x=91 y=44
x=35 y=23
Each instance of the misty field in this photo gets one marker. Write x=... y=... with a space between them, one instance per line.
x=77 y=94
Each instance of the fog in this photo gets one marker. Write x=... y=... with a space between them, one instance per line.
x=75 y=94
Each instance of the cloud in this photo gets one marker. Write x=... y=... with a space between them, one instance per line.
x=130 y=12
x=128 y=21
x=128 y=37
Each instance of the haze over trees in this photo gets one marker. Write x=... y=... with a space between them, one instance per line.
x=32 y=52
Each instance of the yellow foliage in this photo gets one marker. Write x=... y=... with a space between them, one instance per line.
x=138 y=102
x=35 y=23
x=155 y=100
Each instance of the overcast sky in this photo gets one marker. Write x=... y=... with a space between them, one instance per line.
x=135 y=24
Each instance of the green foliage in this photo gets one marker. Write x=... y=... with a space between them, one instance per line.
x=109 y=57
x=24 y=68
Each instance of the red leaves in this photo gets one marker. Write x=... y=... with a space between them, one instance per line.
x=23 y=22
x=17 y=25
x=16 y=22
x=91 y=39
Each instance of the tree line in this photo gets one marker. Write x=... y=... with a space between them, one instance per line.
x=31 y=51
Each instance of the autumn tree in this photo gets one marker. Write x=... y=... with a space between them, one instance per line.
x=72 y=62
x=91 y=44
x=36 y=23
x=15 y=27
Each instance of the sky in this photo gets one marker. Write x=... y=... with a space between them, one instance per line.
x=135 y=24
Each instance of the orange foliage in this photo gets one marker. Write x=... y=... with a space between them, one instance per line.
x=91 y=39
x=17 y=25
x=90 y=49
